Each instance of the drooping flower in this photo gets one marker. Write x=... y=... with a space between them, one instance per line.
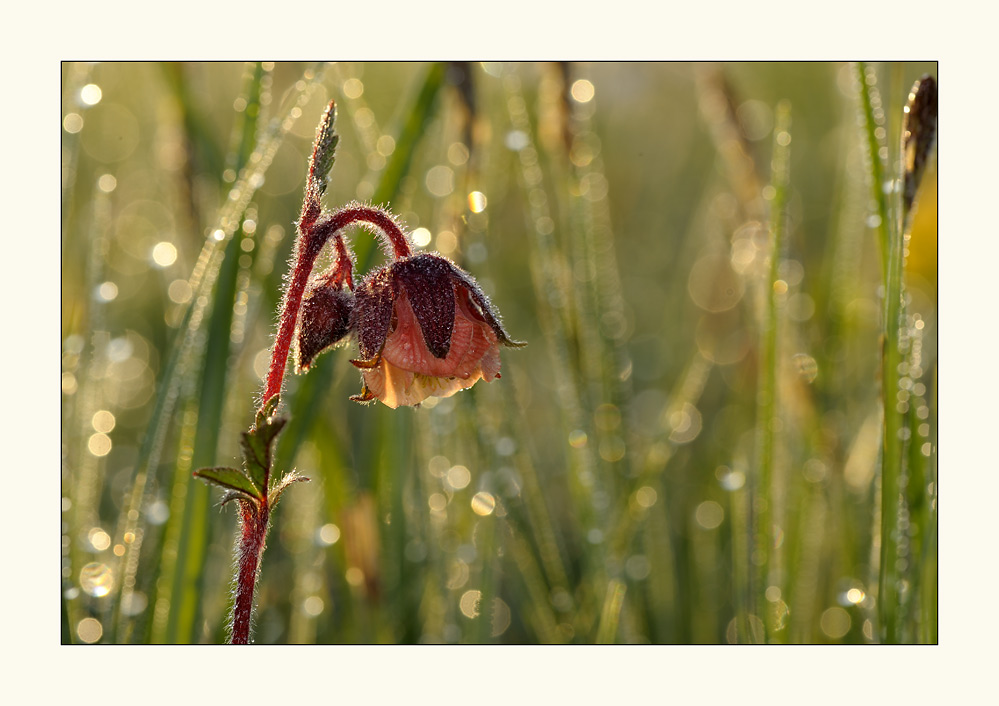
x=424 y=329
x=325 y=320
x=325 y=317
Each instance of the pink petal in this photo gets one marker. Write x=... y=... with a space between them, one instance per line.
x=471 y=340
x=395 y=387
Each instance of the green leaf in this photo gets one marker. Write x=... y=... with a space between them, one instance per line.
x=256 y=443
x=266 y=411
x=230 y=479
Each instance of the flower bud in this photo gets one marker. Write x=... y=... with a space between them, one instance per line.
x=325 y=320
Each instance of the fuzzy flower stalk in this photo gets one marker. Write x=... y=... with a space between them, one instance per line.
x=423 y=328
x=422 y=325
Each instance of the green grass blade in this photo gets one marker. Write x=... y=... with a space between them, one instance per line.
x=184 y=573
x=183 y=348
x=768 y=406
x=877 y=154
x=553 y=308
x=409 y=135
x=610 y=615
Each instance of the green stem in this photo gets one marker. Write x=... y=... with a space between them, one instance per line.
x=891 y=464
x=887 y=196
x=767 y=410
x=610 y=615
x=874 y=134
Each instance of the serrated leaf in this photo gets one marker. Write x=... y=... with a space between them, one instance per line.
x=256 y=446
x=231 y=495
x=232 y=479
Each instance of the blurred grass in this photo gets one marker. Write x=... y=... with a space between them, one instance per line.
x=607 y=488
x=182 y=570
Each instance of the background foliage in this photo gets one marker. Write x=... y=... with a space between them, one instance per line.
x=616 y=484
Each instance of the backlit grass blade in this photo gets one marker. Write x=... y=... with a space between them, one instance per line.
x=410 y=132
x=549 y=274
x=768 y=406
x=188 y=586
x=610 y=615
x=877 y=154
x=83 y=473
x=201 y=282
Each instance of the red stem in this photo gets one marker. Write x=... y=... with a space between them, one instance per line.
x=253 y=528
x=314 y=229
x=344 y=265
x=313 y=236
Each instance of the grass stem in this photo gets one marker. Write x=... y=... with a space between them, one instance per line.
x=767 y=404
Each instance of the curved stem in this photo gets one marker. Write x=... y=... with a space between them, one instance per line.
x=313 y=235
x=343 y=268
x=355 y=213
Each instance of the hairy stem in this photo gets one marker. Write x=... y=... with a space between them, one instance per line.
x=253 y=534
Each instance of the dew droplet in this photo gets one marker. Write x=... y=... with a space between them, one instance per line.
x=440 y=180
x=96 y=579
x=835 y=622
x=469 y=603
x=732 y=480
x=437 y=502
x=313 y=606
x=855 y=596
x=637 y=567
x=709 y=514
x=516 y=140
x=91 y=94
x=422 y=237
x=89 y=630
x=103 y=421
x=134 y=603
x=483 y=503
x=646 y=496
x=458 y=477
x=807 y=368
x=477 y=202
x=99 y=539
x=328 y=534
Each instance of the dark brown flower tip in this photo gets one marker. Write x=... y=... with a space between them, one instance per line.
x=325 y=321
x=919 y=130
x=483 y=307
x=372 y=313
x=427 y=280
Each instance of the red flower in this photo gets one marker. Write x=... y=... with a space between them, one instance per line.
x=424 y=329
x=325 y=320
x=325 y=317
